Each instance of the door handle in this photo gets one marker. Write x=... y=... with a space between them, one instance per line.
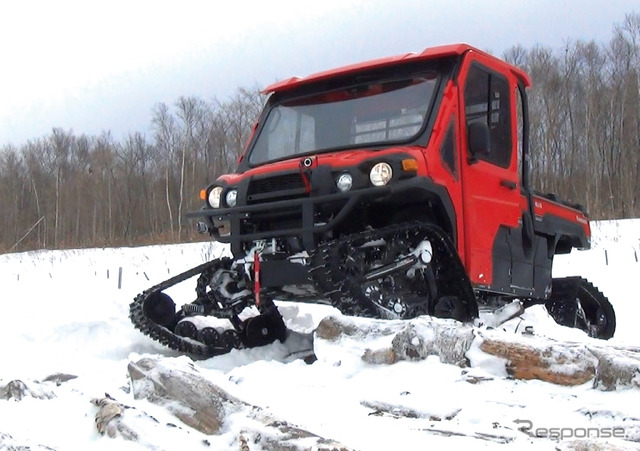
x=508 y=184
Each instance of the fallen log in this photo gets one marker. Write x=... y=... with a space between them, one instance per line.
x=521 y=355
x=558 y=363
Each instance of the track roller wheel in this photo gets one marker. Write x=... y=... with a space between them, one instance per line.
x=186 y=329
x=230 y=339
x=208 y=336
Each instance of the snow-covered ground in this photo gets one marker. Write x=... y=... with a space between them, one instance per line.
x=67 y=312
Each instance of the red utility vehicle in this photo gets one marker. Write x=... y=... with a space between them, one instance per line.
x=392 y=188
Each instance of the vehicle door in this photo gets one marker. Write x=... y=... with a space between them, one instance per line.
x=492 y=199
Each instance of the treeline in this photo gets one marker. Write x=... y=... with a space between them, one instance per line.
x=585 y=120
x=65 y=190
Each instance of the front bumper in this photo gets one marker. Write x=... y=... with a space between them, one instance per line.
x=234 y=220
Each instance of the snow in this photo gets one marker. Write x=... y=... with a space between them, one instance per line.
x=67 y=312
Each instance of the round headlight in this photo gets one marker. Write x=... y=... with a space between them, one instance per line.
x=231 y=197
x=345 y=182
x=214 y=197
x=380 y=174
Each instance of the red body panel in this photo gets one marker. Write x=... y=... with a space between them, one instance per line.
x=543 y=206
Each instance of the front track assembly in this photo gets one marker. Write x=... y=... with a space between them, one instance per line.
x=154 y=313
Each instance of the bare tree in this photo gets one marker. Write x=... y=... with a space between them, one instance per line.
x=166 y=140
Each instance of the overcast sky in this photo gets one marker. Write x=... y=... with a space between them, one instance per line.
x=91 y=66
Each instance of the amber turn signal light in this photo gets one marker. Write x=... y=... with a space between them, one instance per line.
x=409 y=164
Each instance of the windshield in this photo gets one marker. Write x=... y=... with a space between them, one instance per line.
x=375 y=113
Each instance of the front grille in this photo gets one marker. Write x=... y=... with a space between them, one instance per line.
x=276 y=183
x=277 y=187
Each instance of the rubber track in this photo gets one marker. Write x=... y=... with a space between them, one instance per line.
x=346 y=293
x=563 y=296
x=160 y=333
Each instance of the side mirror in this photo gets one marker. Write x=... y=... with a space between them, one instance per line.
x=479 y=140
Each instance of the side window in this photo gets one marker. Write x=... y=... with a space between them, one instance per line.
x=487 y=99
